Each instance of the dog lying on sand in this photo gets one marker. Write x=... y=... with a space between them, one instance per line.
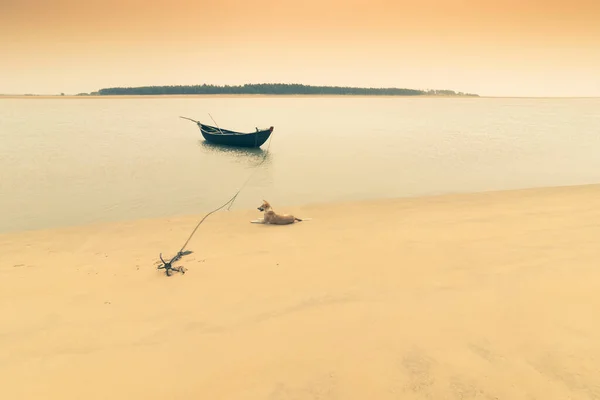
x=270 y=217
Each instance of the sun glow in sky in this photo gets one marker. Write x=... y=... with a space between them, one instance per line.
x=493 y=48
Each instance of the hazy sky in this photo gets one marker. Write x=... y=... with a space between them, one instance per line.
x=490 y=47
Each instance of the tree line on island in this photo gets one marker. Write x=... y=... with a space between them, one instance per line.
x=270 y=89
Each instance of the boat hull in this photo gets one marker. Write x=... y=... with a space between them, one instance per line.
x=236 y=139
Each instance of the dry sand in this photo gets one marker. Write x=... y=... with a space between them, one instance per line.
x=486 y=296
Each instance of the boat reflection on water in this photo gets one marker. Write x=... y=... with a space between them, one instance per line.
x=247 y=155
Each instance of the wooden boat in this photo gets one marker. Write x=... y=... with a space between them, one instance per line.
x=226 y=137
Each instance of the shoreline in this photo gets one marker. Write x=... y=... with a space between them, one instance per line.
x=424 y=199
x=450 y=296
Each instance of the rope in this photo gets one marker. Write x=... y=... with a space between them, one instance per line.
x=168 y=265
x=252 y=174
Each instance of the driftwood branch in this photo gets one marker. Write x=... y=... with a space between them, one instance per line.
x=168 y=266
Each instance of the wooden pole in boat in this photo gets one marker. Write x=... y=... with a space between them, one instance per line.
x=215 y=123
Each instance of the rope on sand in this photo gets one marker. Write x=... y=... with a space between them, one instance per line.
x=168 y=266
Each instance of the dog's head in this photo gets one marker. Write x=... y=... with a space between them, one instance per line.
x=265 y=206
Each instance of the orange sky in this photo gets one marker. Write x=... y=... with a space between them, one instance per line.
x=496 y=48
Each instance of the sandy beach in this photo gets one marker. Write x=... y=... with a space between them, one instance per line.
x=473 y=296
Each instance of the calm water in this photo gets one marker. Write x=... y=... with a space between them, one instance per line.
x=78 y=161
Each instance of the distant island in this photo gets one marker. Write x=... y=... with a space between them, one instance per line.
x=270 y=89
